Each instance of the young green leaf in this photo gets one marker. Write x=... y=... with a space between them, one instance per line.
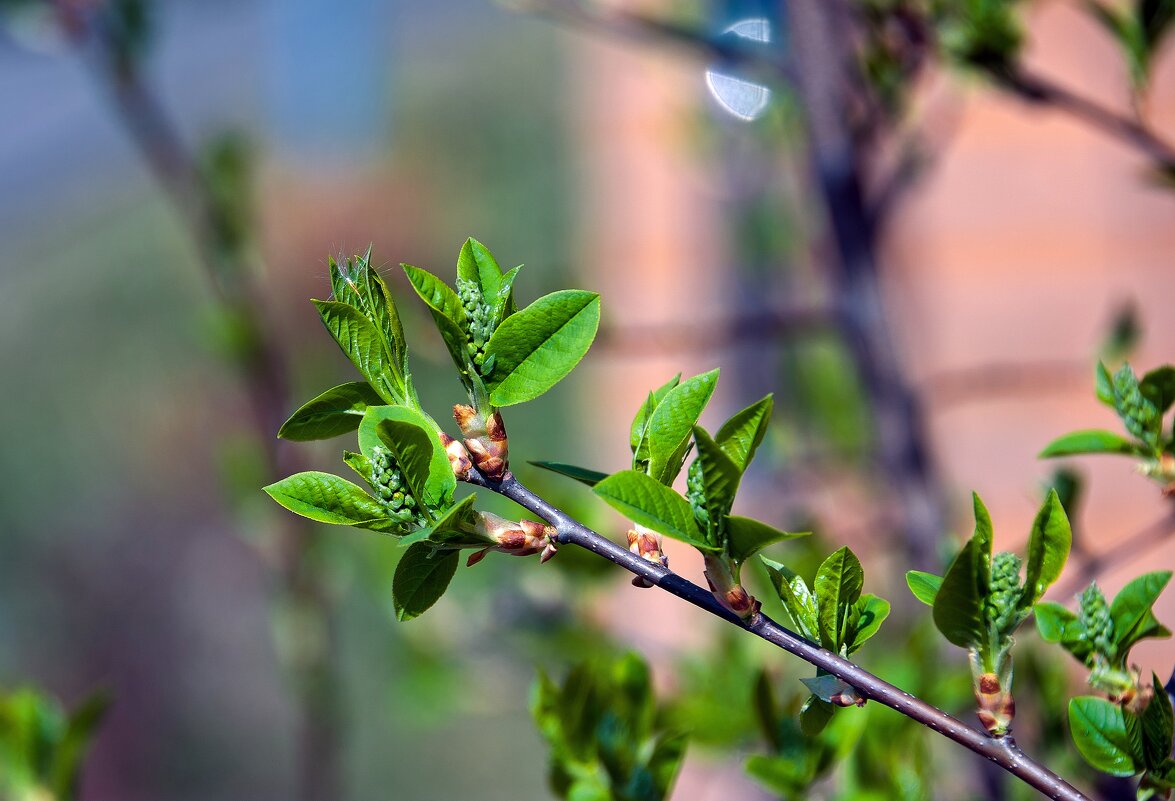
x=1157 y=727
x=1053 y=621
x=924 y=586
x=412 y=440
x=363 y=345
x=421 y=578
x=825 y=687
x=796 y=597
x=1131 y=610
x=583 y=475
x=66 y=761
x=334 y=412
x=652 y=505
x=838 y=587
x=665 y=762
x=456 y=528
x=355 y=283
x=1158 y=386
x=672 y=424
x=741 y=435
x=871 y=611
x=746 y=537
x=475 y=263
x=327 y=499
x=720 y=476
x=534 y=348
x=447 y=312
x=815 y=715
x=360 y=464
x=1091 y=441
x=1048 y=549
x=1107 y=737
x=504 y=302
x=1104 y=385
x=958 y=605
x=641 y=421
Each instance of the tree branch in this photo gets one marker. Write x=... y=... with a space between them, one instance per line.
x=1134 y=547
x=261 y=367
x=1131 y=132
x=1001 y=751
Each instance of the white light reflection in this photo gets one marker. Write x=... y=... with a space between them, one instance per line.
x=744 y=99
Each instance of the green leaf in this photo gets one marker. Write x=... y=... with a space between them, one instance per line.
x=583 y=475
x=504 y=303
x=665 y=762
x=75 y=741
x=672 y=424
x=447 y=312
x=421 y=578
x=641 y=421
x=1131 y=610
x=1057 y=624
x=652 y=505
x=871 y=612
x=475 y=263
x=720 y=476
x=796 y=597
x=838 y=587
x=746 y=537
x=536 y=347
x=456 y=528
x=357 y=284
x=334 y=412
x=825 y=687
x=1091 y=441
x=327 y=499
x=1053 y=620
x=741 y=435
x=413 y=442
x=923 y=585
x=1158 y=386
x=815 y=715
x=1157 y=727
x=1104 y=385
x=362 y=344
x=1105 y=736
x=360 y=464
x=1048 y=549
x=958 y=605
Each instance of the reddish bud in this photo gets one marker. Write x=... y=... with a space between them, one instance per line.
x=995 y=706
x=459 y=458
x=485 y=440
x=468 y=420
x=517 y=539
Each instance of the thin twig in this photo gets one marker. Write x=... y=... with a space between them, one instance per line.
x=1131 y=549
x=980 y=382
x=1002 y=751
x=1128 y=130
x=762 y=60
x=710 y=335
x=261 y=368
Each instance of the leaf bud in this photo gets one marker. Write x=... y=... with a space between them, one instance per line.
x=647 y=545
x=459 y=458
x=523 y=538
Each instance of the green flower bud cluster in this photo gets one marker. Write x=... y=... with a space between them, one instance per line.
x=389 y=486
x=479 y=321
x=1141 y=417
x=1001 y=607
x=1095 y=620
